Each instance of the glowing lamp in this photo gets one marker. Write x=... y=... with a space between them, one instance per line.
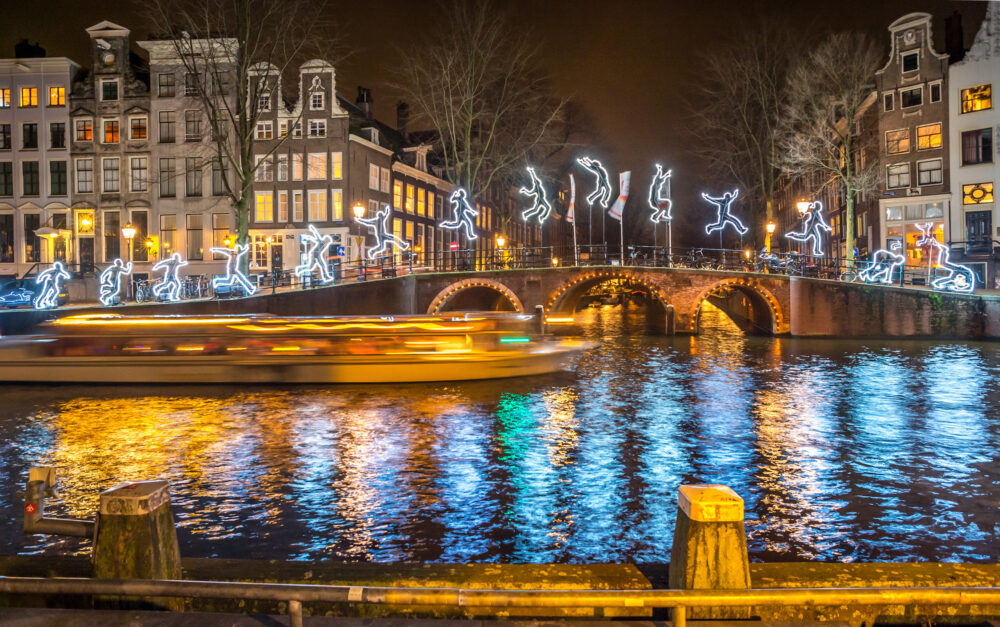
x=85 y=223
x=501 y=241
x=555 y=261
x=802 y=206
x=359 y=210
x=770 y=228
x=746 y=253
x=128 y=231
x=149 y=243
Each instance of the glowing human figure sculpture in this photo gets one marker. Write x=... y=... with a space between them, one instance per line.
x=169 y=287
x=51 y=281
x=884 y=264
x=725 y=215
x=109 y=283
x=659 y=201
x=541 y=208
x=960 y=278
x=317 y=250
x=461 y=214
x=812 y=225
x=602 y=182
x=234 y=276
x=384 y=239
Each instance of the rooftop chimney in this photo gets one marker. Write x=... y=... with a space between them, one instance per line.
x=364 y=101
x=402 y=118
x=954 y=41
x=24 y=50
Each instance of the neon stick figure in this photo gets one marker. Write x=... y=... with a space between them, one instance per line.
x=51 y=281
x=461 y=214
x=233 y=273
x=812 y=224
x=602 y=184
x=542 y=208
x=659 y=201
x=110 y=282
x=384 y=239
x=884 y=264
x=316 y=253
x=725 y=215
x=960 y=278
x=170 y=282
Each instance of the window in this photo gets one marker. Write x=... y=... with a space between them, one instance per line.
x=977 y=193
x=977 y=146
x=5 y=98
x=421 y=203
x=317 y=166
x=283 y=167
x=29 y=97
x=112 y=175
x=168 y=178
x=6 y=238
x=386 y=176
x=898 y=175
x=317 y=100
x=264 y=207
x=168 y=127
x=338 y=165
x=57 y=135
x=84 y=130
x=4 y=136
x=190 y=85
x=264 y=131
x=57 y=96
x=140 y=220
x=57 y=178
x=138 y=174
x=929 y=172
x=283 y=129
x=6 y=178
x=112 y=239
x=168 y=234
x=430 y=204
x=373 y=176
x=911 y=61
x=397 y=195
x=317 y=128
x=338 y=204
x=29 y=178
x=317 y=205
x=192 y=176
x=911 y=97
x=297 y=166
x=977 y=98
x=220 y=231
x=194 y=223
x=32 y=243
x=110 y=131
x=936 y=92
x=409 y=199
x=264 y=102
x=218 y=178
x=297 y=215
x=109 y=89
x=137 y=128
x=29 y=135
x=264 y=172
x=929 y=136
x=85 y=176
x=897 y=141
x=192 y=125
x=167 y=84
x=297 y=129
x=283 y=207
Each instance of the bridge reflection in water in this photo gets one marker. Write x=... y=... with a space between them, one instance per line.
x=843 y=451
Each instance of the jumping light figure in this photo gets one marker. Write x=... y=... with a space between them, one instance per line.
x=541 y=207
x=960 y=278
x=602 y=183
x=724 y=215
x=110 y=282
x=316 y=252
x=884 y=264
x=383 y=238
x=812 y=225
x=51 y=281
x=659 y=201
x=461 y=214
x=233 y=273
x=170 y=282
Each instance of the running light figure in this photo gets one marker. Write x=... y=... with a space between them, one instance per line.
x=169 y=287
x=461 y=214
x=317 y=247
x=384 y=239
x=602 y=183
x=51 y=282
x=812 y=225
x=110 y=282
x=659 y=201
x=542 y=207
x=960 y=278
x=234 y=276
x=884 y=264
x=725 y=215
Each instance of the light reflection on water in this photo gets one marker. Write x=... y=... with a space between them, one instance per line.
x=843 y=451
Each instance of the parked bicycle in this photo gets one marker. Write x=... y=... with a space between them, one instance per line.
x=143 y=291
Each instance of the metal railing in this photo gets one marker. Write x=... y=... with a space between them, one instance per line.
x=678 y=600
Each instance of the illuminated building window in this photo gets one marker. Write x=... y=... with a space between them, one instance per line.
x=283 y=207
x=977 y=193
x=137 y=128
x=337 y=161
x=397 y=194
x=29 y=97
x=929 y=136
x=110 y=131
x=338 y=204
x=297 y=166
x=421 y=203
x=979 y=98
x=298 y=212
x=897 y=141
x=5 y=98
x=410 y=193
x=373 y=176
x=317 y=166
x=317 y=205
x=57 y=96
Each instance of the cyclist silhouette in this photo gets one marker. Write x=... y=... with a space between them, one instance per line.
x=461 y=214
x=316 y=252
x=51 y=281
x=233 y=273
x=383 y=238
x=541 y=208
x=110 y=282
x=602 y=189
x=659 y=202
x=170 y=282
x=812 y=225
x=724 y=216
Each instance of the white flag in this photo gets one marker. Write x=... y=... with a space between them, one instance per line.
x=572 y=200
x=616 y=209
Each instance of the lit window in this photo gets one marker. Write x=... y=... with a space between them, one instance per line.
x=282 y=207
x=337 y=160
x=110 y=131
x=29 y=97
x=977 y=193
x=929 y=172
x=264 y=171
x=264 y=131
x=977 y=98
x=297 y=211
x=5 y=98
x=84 y=130
x=283 y=129
x=421 y=203
x=283 y=167
x=929 y=136
x=297 y=166
x=897 y=141
x=898 y=175
x=317 y=205
x=386 y=177
x=57 y=96
x=911 y=97
x=317 y=166
x=137 y=128
x=264 y=207
x=338 y=204
x=372 y=176
x=397 y=194
x=409 y=198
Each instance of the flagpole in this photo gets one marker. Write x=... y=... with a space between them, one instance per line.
x=670 y=229
x=621 y=238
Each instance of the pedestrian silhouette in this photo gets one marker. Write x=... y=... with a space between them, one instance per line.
x=110 y=282
x=659 y=201
x=461 y=214
x=813 y=226
x=317 y=247
x=169 y=286
x=234 y=275
x=51 y=281
x=724 y=216
x=384 y=239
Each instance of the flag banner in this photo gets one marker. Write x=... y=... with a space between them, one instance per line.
x=616 y=209
x=570 y=217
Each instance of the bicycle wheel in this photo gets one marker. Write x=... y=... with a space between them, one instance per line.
x=849 y=276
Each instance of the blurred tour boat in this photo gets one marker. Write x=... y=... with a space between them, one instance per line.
x=260 y=348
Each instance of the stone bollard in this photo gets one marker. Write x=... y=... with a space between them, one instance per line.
x=710 y=546
x=136 y=537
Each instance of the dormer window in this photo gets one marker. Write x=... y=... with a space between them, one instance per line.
x=911 y=61
x=264 y=102
x=317 y=101
x=911 y=97
x=109 y=89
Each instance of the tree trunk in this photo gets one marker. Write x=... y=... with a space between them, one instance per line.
x=242 y=210
x=849 y=231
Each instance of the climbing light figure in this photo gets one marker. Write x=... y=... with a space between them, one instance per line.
x=659 y=200
x=724 y=215
x=602 y=183
x=170 y=282
x=51 y=282
x=812 y=225
x=384 y=239
x=884 y=264
x=541 y=208
x=317 y=247
x=234 y=276
x=110 y=282
x=461 y=214
x=960 y=278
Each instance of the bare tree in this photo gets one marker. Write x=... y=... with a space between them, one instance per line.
x=829 y=91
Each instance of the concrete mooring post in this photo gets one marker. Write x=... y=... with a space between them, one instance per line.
x=710 y=546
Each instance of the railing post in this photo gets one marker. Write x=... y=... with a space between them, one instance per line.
x=295 y=613
x=680 y=616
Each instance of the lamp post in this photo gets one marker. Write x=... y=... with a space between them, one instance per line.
x=767 y=240
x=128 y=232
x=359 y=212
x=501 y=240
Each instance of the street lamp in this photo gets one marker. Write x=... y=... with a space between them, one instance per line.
x=803 y=206
x=767 y=240
x=128 y=232
x=501 y=241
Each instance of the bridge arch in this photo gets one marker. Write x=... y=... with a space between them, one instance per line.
x=567 y=295
x=766 y=315
x=476 y=290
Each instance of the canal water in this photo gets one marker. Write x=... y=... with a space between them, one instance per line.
x=842 y=450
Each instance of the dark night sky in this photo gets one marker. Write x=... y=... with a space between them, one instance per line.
x=630 y=64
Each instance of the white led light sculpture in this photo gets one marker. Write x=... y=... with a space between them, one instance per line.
x=234 y=276
x=317 y=247
x=813 y=225
x=724 y=216
x=960 y=278
x=461 y=214
x=169 y=287
x=541 y=208
x=659 y=200
x=51 y=282
x=109 y=283
x=883 y=266
x=384 y=239
x=602 y=182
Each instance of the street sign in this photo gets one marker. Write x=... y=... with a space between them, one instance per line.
x=340 y=251
x=453 y=246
